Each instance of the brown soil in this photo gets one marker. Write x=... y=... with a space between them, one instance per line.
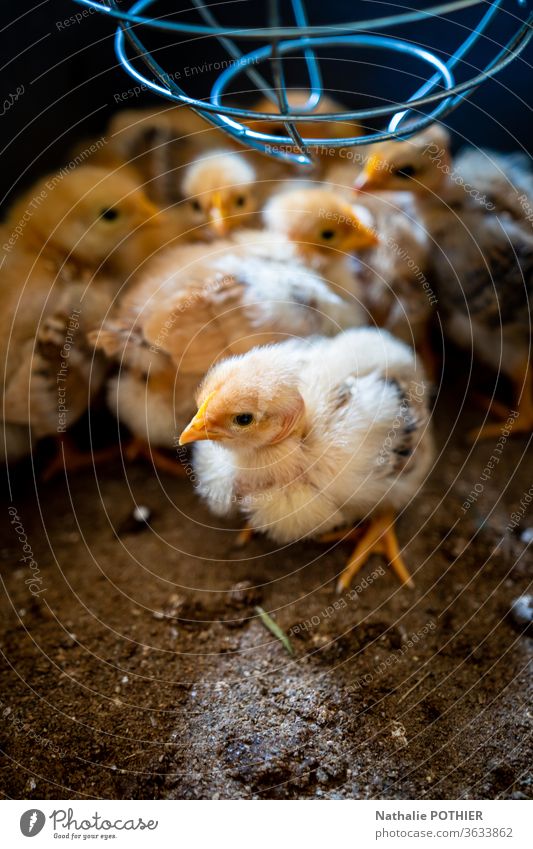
x=142 y=670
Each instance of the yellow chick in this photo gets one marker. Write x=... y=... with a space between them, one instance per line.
x=387 y=274
x=198 y=304
x=311 y=435
x=67 y=252
x=222 y=193
x=481 y=259
x=325 y=230
x=154 y=147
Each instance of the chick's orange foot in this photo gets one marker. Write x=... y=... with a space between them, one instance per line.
x=341 y=535
x=378 y=538
x=138 y=449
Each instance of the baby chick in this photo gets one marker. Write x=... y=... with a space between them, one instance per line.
x=196 y=306
x=385 y=273
x=154 y=147
x=482 y=260
x=311 y=435
x=325 y=230
x=221 y=191
x=67 y=255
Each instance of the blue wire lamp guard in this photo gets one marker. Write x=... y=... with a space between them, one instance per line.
x=441 y=91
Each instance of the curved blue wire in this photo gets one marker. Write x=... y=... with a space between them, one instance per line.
x=222 y=116
x=381 y=42
x=313 y=68
x=260 y=141
x=467 y=44
x=260 y=34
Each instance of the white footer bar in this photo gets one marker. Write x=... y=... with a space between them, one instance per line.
x=269 y=824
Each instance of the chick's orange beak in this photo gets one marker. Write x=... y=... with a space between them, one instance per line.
x=197 y=428
x=218 y=216
x=372 y=177
x=147 y=209
x=360 y=236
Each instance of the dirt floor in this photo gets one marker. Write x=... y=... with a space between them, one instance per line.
x=141 y=669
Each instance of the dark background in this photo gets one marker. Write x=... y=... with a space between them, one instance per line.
x=72 y=82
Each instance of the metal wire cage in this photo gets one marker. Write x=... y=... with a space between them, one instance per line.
x=438 y=95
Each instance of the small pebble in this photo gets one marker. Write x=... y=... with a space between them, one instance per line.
x=141 y=513
x=137 y=521
x=522 y=614
x=244 y=594
x=527 y=535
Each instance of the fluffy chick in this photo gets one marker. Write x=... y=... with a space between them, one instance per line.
x=153 y=147
x=196 y=306
x=221 y=192
x=482 y=259
x=325 y=231
x=311 y=435
x=385 y=273
x=68 y=239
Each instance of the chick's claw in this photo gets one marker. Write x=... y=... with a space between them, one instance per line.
x=379 y=538
x=244 y=536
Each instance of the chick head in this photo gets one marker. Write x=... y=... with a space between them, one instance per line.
x=318 y=221
x=418 y=164
x=220 y=192
x=250 y=402
x=88 y=212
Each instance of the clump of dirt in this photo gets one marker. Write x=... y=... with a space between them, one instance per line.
x=143 y=670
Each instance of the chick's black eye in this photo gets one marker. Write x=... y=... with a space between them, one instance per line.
x=405 y=172
x=110 y=214
x=243 y=419
x=196 y=205
x=327 y=235
x=240 y=200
